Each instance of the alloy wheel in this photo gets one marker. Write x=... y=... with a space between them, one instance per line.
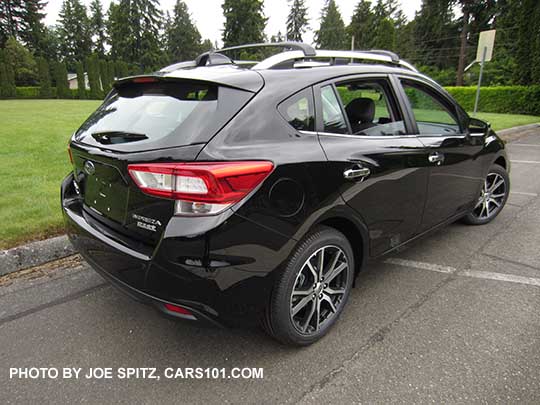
x=492 y=197
x=319 y=289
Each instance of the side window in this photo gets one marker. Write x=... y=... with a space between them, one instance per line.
x=333 y=118
x=298 y=110
x=431 y=115
x=369 y=108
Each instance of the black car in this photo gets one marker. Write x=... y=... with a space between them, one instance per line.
x=240 y=192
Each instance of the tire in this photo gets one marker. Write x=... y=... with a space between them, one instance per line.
x=492 y=199
x=304 y=308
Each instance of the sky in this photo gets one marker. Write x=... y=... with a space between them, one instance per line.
x=208 y=15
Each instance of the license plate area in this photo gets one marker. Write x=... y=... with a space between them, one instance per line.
x=106 y=192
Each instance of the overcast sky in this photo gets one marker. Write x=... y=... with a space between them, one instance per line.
x=208 y=14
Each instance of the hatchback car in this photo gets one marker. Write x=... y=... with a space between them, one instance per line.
x=240 y=192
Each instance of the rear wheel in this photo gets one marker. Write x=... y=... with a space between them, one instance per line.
x=492 y=197
x=312 y=291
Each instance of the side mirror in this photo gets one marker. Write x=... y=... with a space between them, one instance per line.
x=478 y=126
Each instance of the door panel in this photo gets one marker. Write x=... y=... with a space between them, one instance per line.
x=381 y=172
x=453 y=155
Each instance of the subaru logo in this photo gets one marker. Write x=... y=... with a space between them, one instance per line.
x=89 y=167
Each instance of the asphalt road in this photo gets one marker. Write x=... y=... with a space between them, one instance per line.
x=454 y=318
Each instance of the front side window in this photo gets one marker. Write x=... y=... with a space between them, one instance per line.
x=333 y=119
x=430 y=112
x=369 y=109
x=298 y=111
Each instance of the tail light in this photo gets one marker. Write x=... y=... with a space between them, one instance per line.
x=200 y=188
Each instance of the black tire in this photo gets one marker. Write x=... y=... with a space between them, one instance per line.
x=482 y=215
x=325 y=299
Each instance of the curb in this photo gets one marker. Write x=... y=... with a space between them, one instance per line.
x=38 y=253
x=34 y=254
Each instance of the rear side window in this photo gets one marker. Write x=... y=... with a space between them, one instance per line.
x=298 y=110
x=162 y=114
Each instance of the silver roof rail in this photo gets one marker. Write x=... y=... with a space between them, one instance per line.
x=290 y=57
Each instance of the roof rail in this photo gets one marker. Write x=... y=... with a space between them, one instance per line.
x=288 y=59
x=299 y=46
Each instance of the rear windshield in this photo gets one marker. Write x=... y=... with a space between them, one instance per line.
x=161 y=114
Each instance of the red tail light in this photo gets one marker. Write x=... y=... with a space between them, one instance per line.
x=200 y=188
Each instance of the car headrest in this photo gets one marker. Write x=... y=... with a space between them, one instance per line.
x=361 y=110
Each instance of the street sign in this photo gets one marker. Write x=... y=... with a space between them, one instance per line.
x=487 y=41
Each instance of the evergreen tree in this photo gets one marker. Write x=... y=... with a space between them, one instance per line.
x=32 y=30
x=21 y=62
x=44 y=75
x=207 y=46
x=384 y=26
x=527 y=33
x=331 y=34
x=92 y=69
x=435 y=34
x=62 y=85
x=7 y=81
x=297 y=21
x=97 y=27
x=106 y=77
x=183 y=40
x=74 y=32
x=11 y=16
x=361 y=26
x=81 y=82
x=244 y=22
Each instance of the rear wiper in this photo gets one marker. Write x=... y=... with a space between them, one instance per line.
x=111 y=137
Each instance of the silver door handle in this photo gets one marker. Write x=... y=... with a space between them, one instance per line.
x=361 y=172
x=436 y=157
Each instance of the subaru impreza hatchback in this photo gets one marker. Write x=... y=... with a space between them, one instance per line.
x=236 y=192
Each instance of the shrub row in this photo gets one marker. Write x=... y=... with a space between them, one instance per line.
x=32 y=92
x=500 y=99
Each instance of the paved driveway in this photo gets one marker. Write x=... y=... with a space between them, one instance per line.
x=455 y=317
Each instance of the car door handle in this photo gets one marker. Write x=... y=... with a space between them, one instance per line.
x=356 y=172
x=436 y=157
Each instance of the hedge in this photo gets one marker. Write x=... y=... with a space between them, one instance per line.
x=500 y=99
x=32 y=92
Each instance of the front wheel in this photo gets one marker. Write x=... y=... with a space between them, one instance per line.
x=492 y=198
x=311 y=292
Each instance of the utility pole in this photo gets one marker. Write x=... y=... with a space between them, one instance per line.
x=463 y=45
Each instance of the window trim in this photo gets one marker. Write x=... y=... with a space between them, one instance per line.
x=332 y=85
x=393 y=85
x=453 y=109
x=314 y=108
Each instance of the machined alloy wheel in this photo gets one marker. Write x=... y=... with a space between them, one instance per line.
x=319 y=289
x=492 y=198
x=312 y=289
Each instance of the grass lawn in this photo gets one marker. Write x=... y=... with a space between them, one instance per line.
x=34 y=160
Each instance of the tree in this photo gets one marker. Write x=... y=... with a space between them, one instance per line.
x=361 y=26
x=81 y=81
x=7 y=81
x=92 y=69
x=11 y=13
x=32 y=30
x=435 y=34
x=74 y=32
x=62 y=85
x=384 y=30
x=244 y=22
x=331 y=34
x=182 y=38
x=297 y=21
x=44 y=78
x=97 y=27
x=21 y=62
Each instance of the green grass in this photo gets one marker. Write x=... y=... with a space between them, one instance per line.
x=34 y=160
x=503 y=121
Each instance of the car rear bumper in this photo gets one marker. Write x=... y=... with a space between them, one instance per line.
x=223 y=276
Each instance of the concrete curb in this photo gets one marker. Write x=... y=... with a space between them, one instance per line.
x=38 y=253
x=515 y=133
x=34 y=254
